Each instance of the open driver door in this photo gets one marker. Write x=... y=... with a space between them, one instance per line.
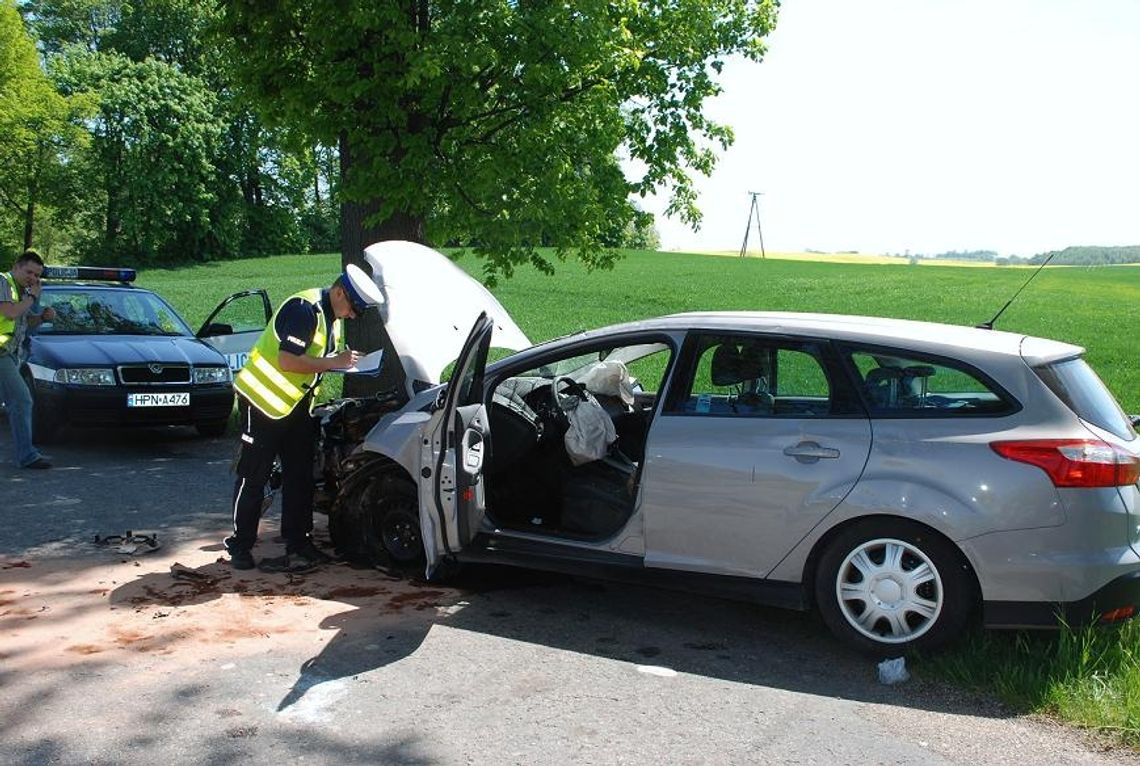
x=452 y=491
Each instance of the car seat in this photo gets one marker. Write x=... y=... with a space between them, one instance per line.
x=915 y=382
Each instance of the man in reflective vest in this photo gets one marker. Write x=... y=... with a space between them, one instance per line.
x=20 y=310
x=276 y=390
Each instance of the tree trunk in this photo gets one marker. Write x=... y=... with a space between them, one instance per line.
x=34 y=193
x=29 y=224
x=358 y=230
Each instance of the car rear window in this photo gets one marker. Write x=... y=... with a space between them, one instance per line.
x=1082 y=391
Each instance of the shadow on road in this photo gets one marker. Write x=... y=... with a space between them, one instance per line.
x=171 y=481
x=388 y=618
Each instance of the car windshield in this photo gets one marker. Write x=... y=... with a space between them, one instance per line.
x=576 y=365
x=109 y=311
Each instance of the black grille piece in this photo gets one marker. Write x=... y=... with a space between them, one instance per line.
x=154 y=374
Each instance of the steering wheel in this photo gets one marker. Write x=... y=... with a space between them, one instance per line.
x=562 y=400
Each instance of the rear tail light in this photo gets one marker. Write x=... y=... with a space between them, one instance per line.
x=1118 y=615
x=1075 y=462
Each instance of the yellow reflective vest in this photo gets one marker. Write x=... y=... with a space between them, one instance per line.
x=8 y=326
x=271 y=389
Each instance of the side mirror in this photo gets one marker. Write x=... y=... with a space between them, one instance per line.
x=1135 y=421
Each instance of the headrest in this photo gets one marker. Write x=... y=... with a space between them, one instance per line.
x=918 y=371
x=726 y=365
x=753 y=363
x=880 y=374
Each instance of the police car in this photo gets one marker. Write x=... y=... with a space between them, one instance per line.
x=119 y=355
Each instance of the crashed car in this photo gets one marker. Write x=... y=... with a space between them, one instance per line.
x=899 y=477
x=120 y=355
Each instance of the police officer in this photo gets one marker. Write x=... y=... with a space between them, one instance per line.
x=19 y=311
x=276 y=389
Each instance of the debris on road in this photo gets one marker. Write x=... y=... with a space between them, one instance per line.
x=893 y=671
x=131 y=543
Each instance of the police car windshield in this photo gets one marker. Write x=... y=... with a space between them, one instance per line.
x=84 y=310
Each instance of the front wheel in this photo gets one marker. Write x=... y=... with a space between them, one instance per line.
x=886 y=586
x=378 y=522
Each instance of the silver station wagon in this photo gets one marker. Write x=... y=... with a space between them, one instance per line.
x=900 y=477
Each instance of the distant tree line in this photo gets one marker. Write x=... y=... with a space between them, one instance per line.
x=1083 y=255
x=1090 y=256
x=969 y=255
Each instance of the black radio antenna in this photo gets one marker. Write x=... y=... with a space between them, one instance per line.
x=990 y=324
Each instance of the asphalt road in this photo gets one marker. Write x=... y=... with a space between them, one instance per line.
x=108 y=657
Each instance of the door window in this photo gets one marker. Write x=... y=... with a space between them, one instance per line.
x=742 y=376
x=905 y=386
x=244 y=312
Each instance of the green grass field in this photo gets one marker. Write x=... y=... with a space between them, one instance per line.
x=1090 y=678
x=1098 y=308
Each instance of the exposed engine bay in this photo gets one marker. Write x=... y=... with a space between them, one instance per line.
x=344 y=424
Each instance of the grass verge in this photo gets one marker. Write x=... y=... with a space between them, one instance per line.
x=1089 y=677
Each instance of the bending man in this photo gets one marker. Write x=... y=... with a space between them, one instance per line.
x=276 y=390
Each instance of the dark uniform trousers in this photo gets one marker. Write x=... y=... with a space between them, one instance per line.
x=292 y=438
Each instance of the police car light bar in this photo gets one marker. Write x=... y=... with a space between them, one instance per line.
x=89 y=272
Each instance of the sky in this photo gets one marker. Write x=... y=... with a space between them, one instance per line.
x=928 y=126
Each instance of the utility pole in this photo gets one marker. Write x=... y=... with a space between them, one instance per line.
x=753 y=208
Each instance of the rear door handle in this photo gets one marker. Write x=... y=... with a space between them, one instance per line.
x=810 y=452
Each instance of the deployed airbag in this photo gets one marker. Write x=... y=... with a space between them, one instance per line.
x=591 y=431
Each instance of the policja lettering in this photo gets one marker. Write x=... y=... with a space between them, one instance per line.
x=276 y=389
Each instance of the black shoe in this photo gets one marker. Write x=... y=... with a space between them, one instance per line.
x=290 y=562
x=242 y=560
x=38 y=463
x=311 y=552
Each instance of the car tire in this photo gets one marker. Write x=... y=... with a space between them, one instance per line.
x=887 y=586
x=214 y=429
x=377 y=522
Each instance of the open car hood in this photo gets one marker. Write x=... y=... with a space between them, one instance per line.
x=430 y=305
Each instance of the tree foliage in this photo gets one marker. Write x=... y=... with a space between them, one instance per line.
x=35 y=127
x=496 y=124
x=180 y=168
x=155 y=133
x=499 y=123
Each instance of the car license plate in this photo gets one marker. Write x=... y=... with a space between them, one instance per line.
x=169 y=399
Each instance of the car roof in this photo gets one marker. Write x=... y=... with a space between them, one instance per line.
x=930 y=337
